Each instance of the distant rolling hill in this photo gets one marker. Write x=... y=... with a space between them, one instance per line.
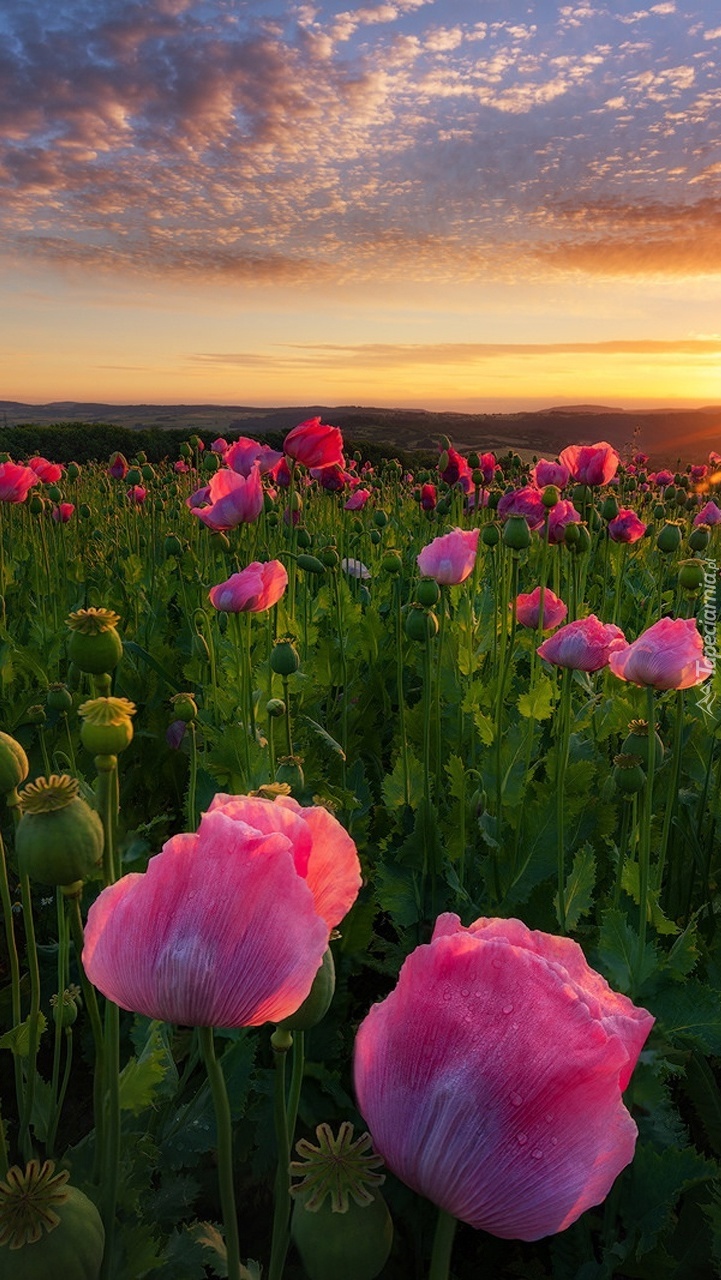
x=666 y=435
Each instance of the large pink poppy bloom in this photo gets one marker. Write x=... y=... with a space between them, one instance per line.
x=667 y=655
x=491 y=1077
x=234 y=499
x=591 y=463
x=49 y=472
x=584 y=645
x=710 y=514
x=15 y=481
x=528 y=609
x=546 y=472
x=626 y=526
x=228 y=925
x=523 y=502
x=253 y=590
x=315 y=444
x=244 y=451
x=450 y=558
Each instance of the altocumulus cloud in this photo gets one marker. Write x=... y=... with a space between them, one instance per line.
x=287 y=143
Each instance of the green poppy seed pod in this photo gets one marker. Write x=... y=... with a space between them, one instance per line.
x=184 y=707
x=669 y=493
x=147 y=472
x=690 y=575
x=357 y=525
x=158 y=503
x=443 y=461
x=571 y=534
x=428 y=592
x=636 y=743
x=669 y=539
x=72 y=471
x=284 y=659
x=290 y=772
x=84 y=511
x=494 y=497
x=141 y=457
x=516 y=533
x=421 y=624
x=628 y=774
x=133 y=477
x=106 y=728
x=490 y=535
x=303 y=538
x=211 y=462
x=310 y=564
x=47 y=1227
x=275 y=708
x=699 y=538
x=609 y=507
x=59 y=838
x=631 y=484
x=65 y=1007
x=375 y=537
x=550 y=496
x=477 y=477
x=172 y=546
x=329 y=557
x=94 y=645
x=185 y=450
x=35 y=714
x=583 y=542
x=272 y=519
x=689 y=504
x=380 y=518
x=36 y=504
x=318 y=1001
x=54 y=493
x=14 y=766
x=443 y=506
x=473 y=461
x=659 y=511
x=581 y=494
x=391 y=562
x=59 y=698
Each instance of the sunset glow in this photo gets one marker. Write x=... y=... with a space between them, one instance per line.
x=456 y=205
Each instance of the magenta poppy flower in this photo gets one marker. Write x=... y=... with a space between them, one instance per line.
x=487 y=466
x=668 y=655
x=626 y=526
x=333 y=478
x=49 y=472
x=528 y=609
x=640 y=459
x=118 y=466
x=554 y=473
x=234 y=499
x=315 y=444
x=525 y=502
x=200 y=498
x=559 y=518
x=219 y=445
x=181 y=467
x=450 y=558
x=591 y=463
x=710 y=514
x=457 y=470
x=357 y=500
x=699 y=472
x=429 y=497
x=244 y=452
x=15 y=481
x=714 y=458
x=137 y=494
x=662 y=478
x=62 y=512
x=584 y=645
x=253 y=590
x=491 y=1077
x=228 y=926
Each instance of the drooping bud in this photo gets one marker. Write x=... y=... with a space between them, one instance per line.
x=318 y=1001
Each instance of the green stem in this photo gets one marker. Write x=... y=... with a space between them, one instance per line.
x=672 y=792
x=14 y=963
x=564 y=734
x=442 y=1246
x=91 y=1004
x=193 y=778
x=644 y=849
x=34 y=1037
x=400 y=667
x=110 y=1165
x=223 y=1124
x=281 y=1041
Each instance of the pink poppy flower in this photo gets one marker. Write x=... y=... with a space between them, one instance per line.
x=253 y=590
x=244 y=452
x=357 y=500
x=487 y=466
x=333 y=478
x=714 y=458
x=137 y=494
x=523 y=502
x=584 y=645
x=62 y=512
x=469 y=1098
x=662 y=478
x=457 y=470
x=429 y=497
x=640 y=459
x=181 y=467
x=560 y=516
x=668 y=655
x=626 y=526
x=219 y=445
x=15 y=481
x=228 y=926
x=553 y=473
x=234 y=499
x=49 y=472
x=699 y=472
x=591 y=463
x=710 y=514
x=118 y=467
x=315 y=444
x=450 y=558
x=200 y=498
x=528 y=609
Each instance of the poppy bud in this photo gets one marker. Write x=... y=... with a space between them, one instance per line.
x=698 y=539
x=317 y=1002
x=669 y=539
x=284 y=659
x=490 y=535
x=516 y=533
x=303 y=538
x=59 y=698
x=428 y=592
x=14 y=766
x=690 y=575
x=421 y=624
x=184 y=707
x=628 y=774
x=310 y=564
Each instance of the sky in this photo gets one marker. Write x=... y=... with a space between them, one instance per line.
x=476 y=205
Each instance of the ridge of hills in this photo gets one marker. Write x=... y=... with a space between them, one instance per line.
x=665 y=434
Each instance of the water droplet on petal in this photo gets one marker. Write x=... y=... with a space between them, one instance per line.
x=508 y=1008
x=516 y=1099
x=522 y=1139
x=549 y=1117
x=447 y=993
x=497 y=964
x=537 y=1154
x=554 y=1142
x=465 y=992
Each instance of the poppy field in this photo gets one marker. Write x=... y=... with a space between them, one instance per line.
x=360 y=865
